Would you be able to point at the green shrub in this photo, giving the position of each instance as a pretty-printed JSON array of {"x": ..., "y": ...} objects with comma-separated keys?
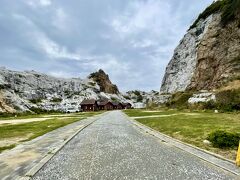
[
  {"x": 114, "y": 99},
  {"x": 35, "y": 101},
  {"x": 213, "y": 8},
  {"x": 56, "y": 100},
  {"x": 92, "y": 83},
  {"x": 2, "y": 86},
  {"x": 126, "y": 97},
  {"x": 223, "y": 139},
  {"x": 67, "y": 92},
  {"x": 139, "y": 98},
  {"x": 179, "y": 100},
  {"x": 137, "y": 93},
  {"x": 209, "y": 105},
  {"x": 152, "y": 105},
  {"x": 228, "y": 100},
  {"x": 229, "y": 9},
  {"x": 5, "y": 114}
]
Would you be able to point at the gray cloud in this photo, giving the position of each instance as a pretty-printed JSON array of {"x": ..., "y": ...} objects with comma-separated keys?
[{"x": 131, "y": 40}]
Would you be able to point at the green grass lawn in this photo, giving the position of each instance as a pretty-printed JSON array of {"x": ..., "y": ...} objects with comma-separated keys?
[
  {"x": 31, "y": 130},
  {"x": 192, "y": 127},
  {"x": 137, "y": 112}
]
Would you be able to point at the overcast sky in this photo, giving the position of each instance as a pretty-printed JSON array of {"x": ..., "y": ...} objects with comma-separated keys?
[{"x": 132, "y": 40}]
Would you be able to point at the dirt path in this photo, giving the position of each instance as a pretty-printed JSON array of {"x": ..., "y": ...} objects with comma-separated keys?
[
  {"x": 20, "y": 121},
  {"x": 43, "y": 118}
]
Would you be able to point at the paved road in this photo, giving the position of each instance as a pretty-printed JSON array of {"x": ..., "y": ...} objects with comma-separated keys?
[{"x": 113, "y": 148}]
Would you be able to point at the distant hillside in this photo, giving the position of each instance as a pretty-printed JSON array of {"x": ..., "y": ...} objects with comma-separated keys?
[{"x": 30, "y": 90}]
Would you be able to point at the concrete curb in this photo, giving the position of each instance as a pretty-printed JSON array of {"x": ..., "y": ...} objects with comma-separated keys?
[
  {"x": 39, "y": 165},
  {"x": 205, "y": 155}
]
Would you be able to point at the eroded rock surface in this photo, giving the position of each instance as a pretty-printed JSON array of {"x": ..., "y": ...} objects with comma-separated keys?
[
  {"x": 207, "y": 57},
  {"x": 182, "y": 66},
  {"x": 20, "y": 91}
]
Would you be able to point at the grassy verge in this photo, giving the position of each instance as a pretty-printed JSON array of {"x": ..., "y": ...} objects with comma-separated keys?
[
  {"x": 31, "y": 130},
  {"x": 7, "y": 147},
  {"x": 192, "y": 127},
  {"x": 138, "y": 113}
]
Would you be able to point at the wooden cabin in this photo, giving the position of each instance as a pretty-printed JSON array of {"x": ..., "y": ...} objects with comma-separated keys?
[
  {"x": 115, "y": 105},
  {"x": 120, "y": 106},
  {"x": 127, "y": 105},
  {"x": 105, "y": 105},
  {"x": 89, "y": 105}
]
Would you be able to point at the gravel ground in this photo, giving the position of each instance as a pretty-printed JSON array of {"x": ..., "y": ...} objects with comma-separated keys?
[{"x": 112, "y": 148}]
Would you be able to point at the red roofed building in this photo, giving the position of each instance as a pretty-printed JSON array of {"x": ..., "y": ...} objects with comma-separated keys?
[
  {"x": 89, "y": 105},
  {"x": 127, "y": 105},
  {"x": 105, "y": 105}
]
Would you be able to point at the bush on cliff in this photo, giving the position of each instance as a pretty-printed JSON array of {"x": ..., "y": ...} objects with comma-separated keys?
[
  {"x": 228, "y": 100},
  {"x": 229, "y": 9},
  {"x": 179, "y": 100},
  {"x": 35, "y": 101}
]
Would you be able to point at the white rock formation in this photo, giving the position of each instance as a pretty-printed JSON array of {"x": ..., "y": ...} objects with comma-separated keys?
[
  {"x": 202, "y": 97},
  {"x": 139, "y": 105},
  {"x": 23, "y": 90},
  {"x": 148, "y": 98},
  {"x": 183, "y": 63}
]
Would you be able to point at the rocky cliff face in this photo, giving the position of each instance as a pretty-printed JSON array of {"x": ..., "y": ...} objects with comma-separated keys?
[
  {"x": 104, "y": 82},
  {"x": 218, "y": 56},
  {"x": 20, "y": 91},
  {"x": 182, "y": 66},
  {"x": 208, "y": 56},
  {"x": 148, "y": 98}
]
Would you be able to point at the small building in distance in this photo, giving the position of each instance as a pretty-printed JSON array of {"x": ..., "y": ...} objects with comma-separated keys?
[
  {"x": 105, "y": 105},
  {"x": 139, "y": 105},
  {"x": 120, "y": 106},
  {"x": 127, "y": 105},
  {"x": 117, "y": 105},
  {"x": 89, "y": 105}
]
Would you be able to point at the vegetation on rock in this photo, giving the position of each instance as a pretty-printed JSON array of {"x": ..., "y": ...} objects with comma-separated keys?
[
  {"x": 228, "y": 100},
  {"x": 56, "y": 100},
  {"x": 179, "y": 100},
  {"x": 104, "y": 82},
  {"x": 35, "y": 101},
  {"x": 228, "y": 8}
]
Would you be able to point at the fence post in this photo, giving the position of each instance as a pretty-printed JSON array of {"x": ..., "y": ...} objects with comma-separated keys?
[{"x": 238, "y": 156}]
